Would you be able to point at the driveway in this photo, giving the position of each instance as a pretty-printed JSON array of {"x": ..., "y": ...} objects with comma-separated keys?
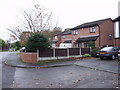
[
  {"x": 81, "y": 74},
  {"x": 103, "y": 65}
]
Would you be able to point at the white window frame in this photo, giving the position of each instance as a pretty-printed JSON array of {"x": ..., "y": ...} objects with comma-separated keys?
[
  {"x": 92, "y": 29},
  {"x": 75, "y": 32}
]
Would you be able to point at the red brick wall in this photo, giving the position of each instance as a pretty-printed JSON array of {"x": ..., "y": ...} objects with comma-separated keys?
[
  {"x": 106, "y": 29},
  {"x": 29, "y": 57},
  {"x": 117, "y": 42}
]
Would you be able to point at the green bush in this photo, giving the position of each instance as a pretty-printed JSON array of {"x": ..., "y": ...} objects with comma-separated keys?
[
  {"x": 86, "y": 55},
  {"x": 36, "y": 41},
  {"x": 16, "y": 45},
  {"x": 93, "y": 53}
]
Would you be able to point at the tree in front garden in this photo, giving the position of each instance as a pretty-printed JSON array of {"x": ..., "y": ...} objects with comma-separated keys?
[{"x": 36, "y": 42}]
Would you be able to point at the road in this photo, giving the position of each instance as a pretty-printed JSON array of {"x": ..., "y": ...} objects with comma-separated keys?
[{"x": 73, "y": 76}]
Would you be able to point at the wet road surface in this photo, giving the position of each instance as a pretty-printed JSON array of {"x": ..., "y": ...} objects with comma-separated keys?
[{"x": 58, "y": 77}]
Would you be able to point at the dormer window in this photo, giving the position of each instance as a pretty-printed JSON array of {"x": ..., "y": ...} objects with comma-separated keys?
[
  {"x": 75, "y": 32},
  {"x": 92, "y": 29}
]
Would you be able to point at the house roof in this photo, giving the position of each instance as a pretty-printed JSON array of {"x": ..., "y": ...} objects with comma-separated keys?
[
  {"x": 54, "y": 41},
  {"x": 57, "y": 33},
  {"x": 63, "y": 33},
  {"x": 68, "y": 41},
  {"x": 66, "y": 33},
  {"x": 90, "y": 24},
  {"x": 93, "y": 38},
  {"x": 116, "y": 19}
]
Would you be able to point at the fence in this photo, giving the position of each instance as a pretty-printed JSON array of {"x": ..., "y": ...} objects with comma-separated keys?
[{"x": 56, "y": 52}]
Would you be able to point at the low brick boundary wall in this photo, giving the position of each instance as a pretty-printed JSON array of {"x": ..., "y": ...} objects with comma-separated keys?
[{"x": 29, "y": 57}]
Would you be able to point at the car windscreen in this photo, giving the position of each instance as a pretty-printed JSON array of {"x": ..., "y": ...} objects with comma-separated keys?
[{"x": 107, "y": 49}]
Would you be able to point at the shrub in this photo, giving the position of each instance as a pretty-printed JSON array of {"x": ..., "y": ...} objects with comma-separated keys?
[
  {"x": 16, "y": 45},
  {"x": 93, "y": 53},
  {"x": 73, "y": 57},
  {"x": 36, "y": 41},
  {"x": 86, "y": 55}
]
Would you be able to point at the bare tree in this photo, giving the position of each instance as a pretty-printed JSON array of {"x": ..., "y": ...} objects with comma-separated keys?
[
  {"x": 35, "y": 21},
  {"x": 15, "y": 31}
]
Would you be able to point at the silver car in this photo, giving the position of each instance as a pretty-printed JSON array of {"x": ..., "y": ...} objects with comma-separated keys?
[{"x": 108, "y": 52}]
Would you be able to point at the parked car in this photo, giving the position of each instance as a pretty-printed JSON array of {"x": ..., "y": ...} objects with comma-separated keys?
[
  {"x": 108, "y": 52},
  {"x": 119, "y": 54}
]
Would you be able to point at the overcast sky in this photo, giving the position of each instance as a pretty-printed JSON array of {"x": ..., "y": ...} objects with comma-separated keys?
[{"x": 68, "y": 13}]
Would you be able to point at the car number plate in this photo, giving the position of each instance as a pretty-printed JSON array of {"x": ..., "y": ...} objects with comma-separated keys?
[
  {"x": 102, "y": 53},
  {"x": 118, "y": 54}
]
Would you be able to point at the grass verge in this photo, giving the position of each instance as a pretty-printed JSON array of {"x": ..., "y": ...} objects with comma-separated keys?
[
  {"x": 53, "y": 61},
  {"x": 46, "y": 62}
]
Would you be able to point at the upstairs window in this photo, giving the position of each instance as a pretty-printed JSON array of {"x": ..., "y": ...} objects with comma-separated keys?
[
  {"x": 92, "y": 29},
  {"x": 75, "y": 32}
]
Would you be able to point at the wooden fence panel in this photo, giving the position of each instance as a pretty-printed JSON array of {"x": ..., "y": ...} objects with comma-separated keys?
[
  {"x": 63, "y": 52},
  {"x": 85, "y": 51},
  {"x": 60, "y": 52},
  {"x": 74, "y": 51},
  {"x": 46, "y": 53}
]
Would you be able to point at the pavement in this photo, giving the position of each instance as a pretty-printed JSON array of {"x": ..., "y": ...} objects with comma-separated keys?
[{"x": 103, "y": 65}]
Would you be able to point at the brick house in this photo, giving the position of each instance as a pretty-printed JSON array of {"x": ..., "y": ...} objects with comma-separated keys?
[
  {"x": 117, "y": 31},
  {"x": 66, "y": 39},
  {"x": 100, "y": 32},
  {"x": 62, "y": 39}
]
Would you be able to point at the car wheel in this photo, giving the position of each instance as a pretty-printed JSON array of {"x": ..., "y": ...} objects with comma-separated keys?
[{"x": 113, "y": 57}]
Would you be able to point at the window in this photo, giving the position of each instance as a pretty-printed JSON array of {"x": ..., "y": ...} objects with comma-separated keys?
[
  {"x": 75, "y": 32},
  {"x": 80, "y": 45},
  {"x": 75, "y": 45},
  {"x": 85, "y": 44},
  {"x": 92, "y": 29}
]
